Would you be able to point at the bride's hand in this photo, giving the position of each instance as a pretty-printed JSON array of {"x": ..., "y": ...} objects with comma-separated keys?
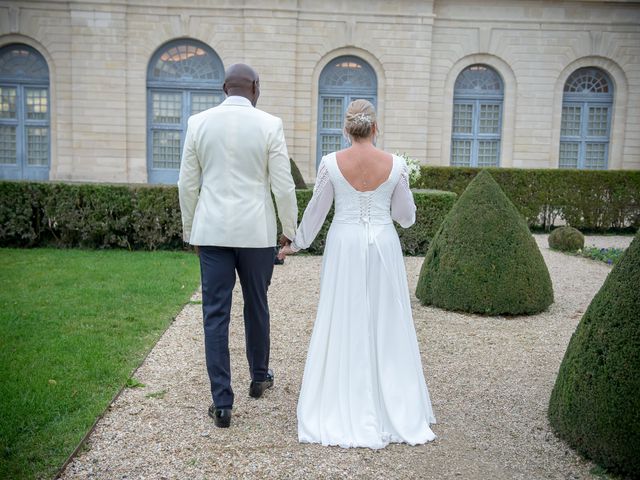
[{"x": 284, "y": 251}]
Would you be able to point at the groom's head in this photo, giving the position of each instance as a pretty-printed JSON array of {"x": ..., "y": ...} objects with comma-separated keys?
[{"x": 242, "y": 80}]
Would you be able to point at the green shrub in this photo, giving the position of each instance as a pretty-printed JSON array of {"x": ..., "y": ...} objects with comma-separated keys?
[
  {"x": 298, "y": 179},
  {"x": 432, "y": 206},
  {"x": 610, "y": 256},
  {"x": 567, "y": 239},
  {"x": 586, "y": 199},
  {"x": 595, "y": 405},
  {"x": 483, "y": 258},
  {"x": 22, "y": 219},
  {"x": 92, "y": 216},
  {"x": 89, "y": 216},
  {"x": 146, "y": 217},
  {"x": 157, "y": 220}
]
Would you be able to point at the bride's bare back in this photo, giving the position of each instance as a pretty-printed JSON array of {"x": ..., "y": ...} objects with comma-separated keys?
[{"x": 364, "y": 166}]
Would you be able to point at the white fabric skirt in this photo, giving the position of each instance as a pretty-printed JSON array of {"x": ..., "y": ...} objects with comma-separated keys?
[{"x": 363, "y": 383}]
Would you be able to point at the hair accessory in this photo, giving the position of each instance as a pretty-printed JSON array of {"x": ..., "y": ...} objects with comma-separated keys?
[{"x": 362, "y": 119}]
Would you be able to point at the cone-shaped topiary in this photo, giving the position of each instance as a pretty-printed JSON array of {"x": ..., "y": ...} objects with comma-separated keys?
[
  {"x": 567, "y": 239},
  {"x": 297, "y": 175},
  {"x": 483, "y": 258},
  {"x": 595, "y": 403}
]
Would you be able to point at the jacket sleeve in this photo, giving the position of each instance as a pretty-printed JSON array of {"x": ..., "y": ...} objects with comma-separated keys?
[
  {"x": 189, "y": 182},
  {"x": 282, "y": 184}
]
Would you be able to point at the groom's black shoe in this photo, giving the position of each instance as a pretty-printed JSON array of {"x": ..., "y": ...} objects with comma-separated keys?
[
  {"x": 256, "y": 389},
  {"x": 221, "y": 416}
]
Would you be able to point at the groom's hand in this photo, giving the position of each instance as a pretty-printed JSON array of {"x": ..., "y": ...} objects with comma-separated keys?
[
  {"x": 197, "y": 249},
  {"x": 284, "y": 241},
  {"x": 284, "y": 251}
]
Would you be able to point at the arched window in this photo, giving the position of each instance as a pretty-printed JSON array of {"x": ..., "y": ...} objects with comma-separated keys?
[
  {"x": 24, "y": 114},
  {"x": 185, "y": 77},
  {"x": 343, "y": 80},
  {"x": 586, "y": 119},
  {"x": 477, "y": 117}
]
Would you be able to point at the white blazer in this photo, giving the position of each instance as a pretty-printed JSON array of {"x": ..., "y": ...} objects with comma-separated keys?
[{"x": 239, "y": 156}]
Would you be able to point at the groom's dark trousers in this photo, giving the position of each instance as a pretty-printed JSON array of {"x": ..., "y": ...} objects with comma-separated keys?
[{"x": 218, "y": 267}]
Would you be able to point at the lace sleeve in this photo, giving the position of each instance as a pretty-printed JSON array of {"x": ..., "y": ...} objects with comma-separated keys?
[
  {"x": 403, "y": 210},
  {"x": 316, "y": 211}
]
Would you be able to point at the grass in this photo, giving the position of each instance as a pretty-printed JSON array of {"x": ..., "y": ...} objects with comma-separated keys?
[
  {"x": 159, "y": 394},
  {"x": 134, "y": 383},
  {"x": 73, "y": 326}
]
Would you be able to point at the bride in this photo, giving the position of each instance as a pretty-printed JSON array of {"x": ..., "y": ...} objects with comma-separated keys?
[{"x": 363, "y": 384}]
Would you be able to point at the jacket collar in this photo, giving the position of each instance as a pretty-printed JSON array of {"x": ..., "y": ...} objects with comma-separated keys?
[{"x": 237, "y": 100}]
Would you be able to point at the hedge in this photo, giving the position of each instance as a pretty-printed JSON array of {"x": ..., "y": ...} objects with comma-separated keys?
[
  {"x": 90, "y": 216},
  {"x": 590, "y": 200},
  {"x": 483, "y": 258},
  {"x": 146, "y": 217},
  {"x": 298, "y": 179},
  {"x": 594, "y": 403},
  {"x": 566, "y": 239}
]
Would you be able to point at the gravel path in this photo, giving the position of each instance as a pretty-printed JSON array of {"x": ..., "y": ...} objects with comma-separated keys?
[{"x": 489, "y": 379}]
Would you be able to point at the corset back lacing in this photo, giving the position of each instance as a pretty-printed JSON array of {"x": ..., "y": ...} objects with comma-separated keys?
[{"x": 365, "y": 214}]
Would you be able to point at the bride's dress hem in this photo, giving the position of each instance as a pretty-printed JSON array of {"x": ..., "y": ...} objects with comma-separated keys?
[{"x": 384, "y": 442}]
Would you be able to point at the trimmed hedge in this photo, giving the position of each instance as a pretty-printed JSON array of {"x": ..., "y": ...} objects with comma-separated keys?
[
  {"x": 89, "y": 216},
  {"x": 594, "y": 404},
  {"x": 566, "y": 239},
  {"x": 483, "y": 258},
  {"x": 146, "y": 217},
  {"x": 298, "y": 179},
  {"x": 432, "y": 206},
  {"x": 590, "y": 200}
]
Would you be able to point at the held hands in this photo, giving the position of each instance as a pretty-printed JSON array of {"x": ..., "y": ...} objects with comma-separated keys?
[
  {"x": 284, "y": 241},
  {"x": 286, "y": 250}
]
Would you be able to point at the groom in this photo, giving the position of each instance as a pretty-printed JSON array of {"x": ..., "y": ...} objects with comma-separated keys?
[{"x": 234, "y": 157}]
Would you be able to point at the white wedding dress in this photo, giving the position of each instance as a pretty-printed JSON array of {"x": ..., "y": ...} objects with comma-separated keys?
[{"x": 363, "y": 384}]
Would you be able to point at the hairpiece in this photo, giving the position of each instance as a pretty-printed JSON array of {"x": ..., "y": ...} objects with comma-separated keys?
[{"x": 362, "y": 119}]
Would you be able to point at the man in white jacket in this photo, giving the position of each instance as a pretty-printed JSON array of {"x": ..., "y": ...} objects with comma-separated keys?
[{"x": 234, "y": 157}]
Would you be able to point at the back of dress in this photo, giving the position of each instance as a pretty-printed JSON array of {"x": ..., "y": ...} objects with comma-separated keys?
[
  {"x": 363, "y": 383},
  {"x": 392, "y": 200},
  {"x": 351, "y": 205}
]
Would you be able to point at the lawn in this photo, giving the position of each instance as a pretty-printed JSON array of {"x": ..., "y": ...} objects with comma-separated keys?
[{"x": 73, "y": 326}]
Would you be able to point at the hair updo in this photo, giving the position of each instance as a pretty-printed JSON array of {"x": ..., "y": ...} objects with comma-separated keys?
[{"x": 360, "y": 119}]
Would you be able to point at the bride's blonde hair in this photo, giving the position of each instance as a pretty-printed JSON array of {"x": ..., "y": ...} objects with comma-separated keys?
[{"x": 360, "y": 119}]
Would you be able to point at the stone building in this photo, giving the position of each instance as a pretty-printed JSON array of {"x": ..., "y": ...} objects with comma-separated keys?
[{"x": 101, "y": 90}]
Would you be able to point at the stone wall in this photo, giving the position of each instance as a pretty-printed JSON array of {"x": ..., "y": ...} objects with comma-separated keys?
[{"x": 98, "y": 54}]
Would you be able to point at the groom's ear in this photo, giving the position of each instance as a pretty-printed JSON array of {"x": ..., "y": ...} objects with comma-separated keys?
[{"x": 255, "y": 92}]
